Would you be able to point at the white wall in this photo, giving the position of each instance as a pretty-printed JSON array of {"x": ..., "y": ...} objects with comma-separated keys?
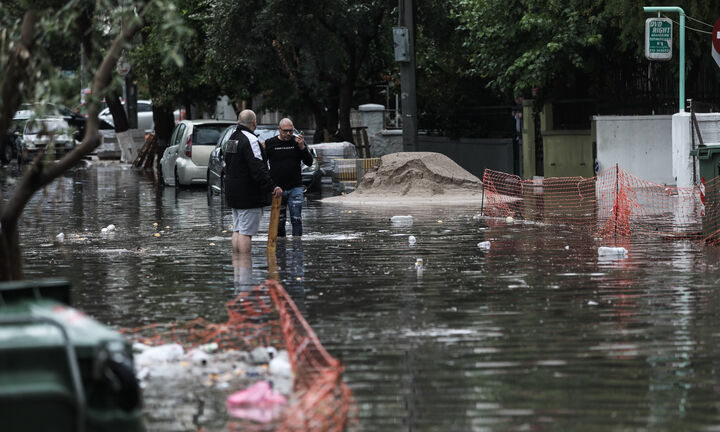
[
  {"x": 382, "y": 141},
  {"x": 640, "y": 145}
]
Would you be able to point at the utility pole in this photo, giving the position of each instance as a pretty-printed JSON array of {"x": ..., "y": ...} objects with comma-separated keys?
[{"x": 404, "y": 40}]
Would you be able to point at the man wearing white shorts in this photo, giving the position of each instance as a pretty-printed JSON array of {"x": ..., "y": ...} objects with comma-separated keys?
[{"x": 247, "y": 182}]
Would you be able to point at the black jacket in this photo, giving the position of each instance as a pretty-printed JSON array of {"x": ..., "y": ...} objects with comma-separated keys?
[
  {"x": 247, "y": 180},
  {"x": 285, "y": 158}
]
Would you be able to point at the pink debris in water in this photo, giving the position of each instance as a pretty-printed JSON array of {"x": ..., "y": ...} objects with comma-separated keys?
[{"x": 258, "y": 402}]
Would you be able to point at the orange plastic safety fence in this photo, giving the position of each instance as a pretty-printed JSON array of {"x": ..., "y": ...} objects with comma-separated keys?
[
  {"x": 252, "y": 321},
  {"x": 614, "y": 203},
  {"x": 267, "y": 316},
  {"x": 324, "y": 399}
]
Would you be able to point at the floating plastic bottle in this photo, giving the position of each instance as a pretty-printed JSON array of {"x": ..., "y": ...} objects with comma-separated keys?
[
  {"x": 612, "y": 251},
  {"x": 401, "y": 220},
  {"x": 484, "y": 245}
]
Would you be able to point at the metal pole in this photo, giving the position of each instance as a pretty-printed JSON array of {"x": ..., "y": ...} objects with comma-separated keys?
[
  {"x": 681, "y": 86},
  {"x": 617, "y": 195},
  {"x": 407, "y": 79}
]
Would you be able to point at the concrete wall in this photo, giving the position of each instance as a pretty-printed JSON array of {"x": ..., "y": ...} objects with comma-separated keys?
[
  {"x": 640, "y": 145},
  {"x": 382, "y": 141}
]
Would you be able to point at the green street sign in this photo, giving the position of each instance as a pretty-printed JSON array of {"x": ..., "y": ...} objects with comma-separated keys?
[{"x": 658, "y": 39}]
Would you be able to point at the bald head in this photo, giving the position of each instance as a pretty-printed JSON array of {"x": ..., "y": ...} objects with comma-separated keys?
[
  {"x": 286, "y": 123},
  {"x": 285, "y": 129},
  {"x": 247, "y": 118}
]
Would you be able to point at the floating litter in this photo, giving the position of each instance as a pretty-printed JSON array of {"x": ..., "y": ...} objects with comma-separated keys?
[
  {"x": 592, "y": 303},
  {"x": 60, "y": 237},
  {"x": 419, "y": 263},
  {"x": 157, "y": 234},
  {"x": 412, "y": 240},
  {"x": 612, "y": 251},
  {"x": 567, "y": 247},
  {"x": 509, "y": 219},
  {"x": 104, "y": 230},
  {"x": 402, "y": 220},
  {"x": 484, "y": 245},
  {"x": 258, "y": 402},
  {"x": 111, "y": 227}
]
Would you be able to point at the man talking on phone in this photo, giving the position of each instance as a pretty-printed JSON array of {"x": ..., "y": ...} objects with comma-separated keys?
[{"x": 285, "y": 153}]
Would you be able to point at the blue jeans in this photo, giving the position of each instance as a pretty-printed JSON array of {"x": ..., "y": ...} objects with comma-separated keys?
[{"x": 292, "y": 199}]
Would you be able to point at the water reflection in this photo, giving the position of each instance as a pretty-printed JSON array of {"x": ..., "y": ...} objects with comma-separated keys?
[
  {"x": 242, "y": 271},
  {"x": 536, "y": 333},
  {"x": 290, "y": 259}
]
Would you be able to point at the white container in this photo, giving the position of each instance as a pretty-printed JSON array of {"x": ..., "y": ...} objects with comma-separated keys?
[
  {"x": 402, "y": 220},
  {"x": 612, "y": 251}
]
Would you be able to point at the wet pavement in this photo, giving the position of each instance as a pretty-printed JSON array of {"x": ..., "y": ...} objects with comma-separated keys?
[{"x": 536, "y": 333}]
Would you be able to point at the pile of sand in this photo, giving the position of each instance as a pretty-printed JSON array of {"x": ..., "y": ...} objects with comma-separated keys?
[{"x": 415, "y": 178}]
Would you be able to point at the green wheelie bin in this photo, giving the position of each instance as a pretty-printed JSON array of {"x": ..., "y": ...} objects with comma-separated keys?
[
  {"x": 709, "y": 163},
  {"x": 61, "y": 370}
]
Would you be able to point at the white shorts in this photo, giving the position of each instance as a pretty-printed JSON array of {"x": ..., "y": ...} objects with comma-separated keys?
[{"x": 247, "y": 221}]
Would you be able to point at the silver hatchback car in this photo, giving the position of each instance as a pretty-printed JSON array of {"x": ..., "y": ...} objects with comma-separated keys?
[{"x": 185, "y": 161}]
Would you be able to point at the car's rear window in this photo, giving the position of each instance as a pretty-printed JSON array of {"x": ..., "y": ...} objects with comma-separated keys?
[{"x": 208, "y": 134}]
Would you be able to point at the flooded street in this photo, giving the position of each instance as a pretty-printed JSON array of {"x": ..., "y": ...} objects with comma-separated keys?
[{"x": 536, "y": 333}]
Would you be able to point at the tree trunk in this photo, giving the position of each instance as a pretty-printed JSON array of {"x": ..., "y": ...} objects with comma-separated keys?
[
  {"x": 164, "y": 125},
  {"x": 189, "y": 115},
  {"x": 331, "y": 114},
  {"x": 17, "y": 73},
  {"x": 38, "y": 175},
  {"x": 344, "y": 105},
  {"x": 118, "y": 112}
]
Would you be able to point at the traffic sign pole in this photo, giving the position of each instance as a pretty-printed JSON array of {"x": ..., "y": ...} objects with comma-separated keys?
[{"x": 681, "y": 86}]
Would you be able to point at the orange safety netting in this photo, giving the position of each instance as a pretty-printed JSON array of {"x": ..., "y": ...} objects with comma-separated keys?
[
  {"x": 267, "y": 316},
  {"x": 614, "y": 203}
]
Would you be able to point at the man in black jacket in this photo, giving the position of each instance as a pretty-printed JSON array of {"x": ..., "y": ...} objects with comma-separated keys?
[
  {"x": 247, "y": 182},
  {"x": 285, "y": 152}
]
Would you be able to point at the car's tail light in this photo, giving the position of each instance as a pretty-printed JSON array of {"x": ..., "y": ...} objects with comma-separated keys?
[{"x": 188, "y": 147}]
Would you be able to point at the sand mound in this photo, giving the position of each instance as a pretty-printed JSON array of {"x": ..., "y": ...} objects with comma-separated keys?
[{"x": 415, "y": 177}]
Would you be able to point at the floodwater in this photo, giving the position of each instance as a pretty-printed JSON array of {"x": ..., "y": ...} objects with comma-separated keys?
[{"x": 536, "y": 333}]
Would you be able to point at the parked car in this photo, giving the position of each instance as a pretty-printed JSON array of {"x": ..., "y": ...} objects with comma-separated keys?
[
  {"x": 216, "y": 164},
  {"x": 11, "y": 145},
  {"x": 311, "y": 175},
  {"x": 144, "y": 114},
  {"x": 42, "y": 132},
  {"x": 76, "y": 121},
  {"x": 266, "y": 131},
  {"x": 185, "y": 161}
]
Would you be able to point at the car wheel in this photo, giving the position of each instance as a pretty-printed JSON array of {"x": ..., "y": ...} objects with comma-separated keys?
[
  {"x": 209, "y": 186},
  {"x": 177, "y": 179}
]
